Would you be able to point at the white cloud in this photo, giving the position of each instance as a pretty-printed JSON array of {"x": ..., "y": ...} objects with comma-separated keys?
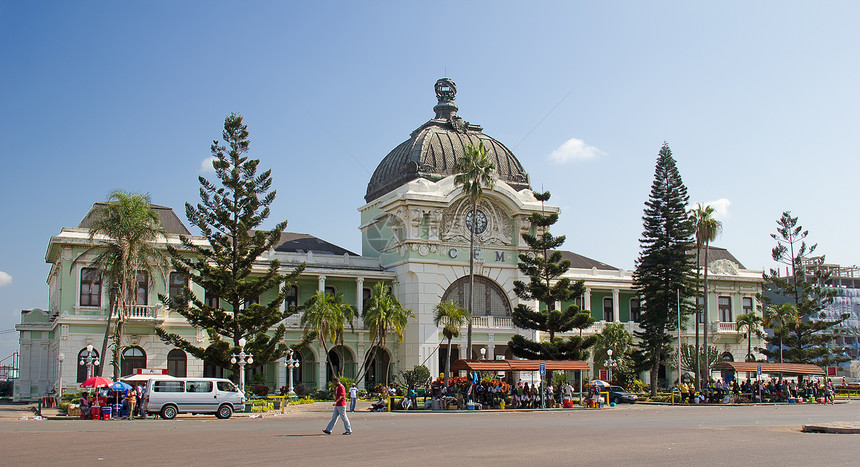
[
  {"x": 206, "y": 165},
  {"x": 5, "y": 279},
  {"x": 721, "y": 208},
  {"x": 574, "y": 149}
]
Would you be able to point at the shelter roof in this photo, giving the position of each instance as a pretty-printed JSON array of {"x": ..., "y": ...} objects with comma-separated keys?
[
  {"x": 169, "y": 220},
  {"x": 578, "y": 261},
  {"x": 518, "y": 365},
  {"x": 770, "y": 368},
  {"x": 716, "y": 253},
  {"x": 292, "y": 242}
]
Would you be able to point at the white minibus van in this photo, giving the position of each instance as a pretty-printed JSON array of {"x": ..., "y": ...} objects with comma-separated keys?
[{"x": 168, "y": 397}]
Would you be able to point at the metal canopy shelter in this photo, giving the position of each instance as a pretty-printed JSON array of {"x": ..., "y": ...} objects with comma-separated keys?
[
  {"x": 794, "y": 369},
  {"x": 518, "y": 365}
]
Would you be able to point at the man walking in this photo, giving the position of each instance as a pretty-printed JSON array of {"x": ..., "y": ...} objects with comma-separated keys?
[
  {"x": 353, "y": 397},
  {"x": 339, "y": 409}
]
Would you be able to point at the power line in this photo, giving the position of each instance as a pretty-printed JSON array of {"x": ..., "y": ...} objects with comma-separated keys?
[{"x": 544, "y": 118}]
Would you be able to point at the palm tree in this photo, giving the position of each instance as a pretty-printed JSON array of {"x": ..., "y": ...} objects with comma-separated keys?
[
  {"x": 751, "y": 322},
  {"x": 383, "y": 315},
  {"x": 451, "y": 317},
  {"x": 127, "y": 228},
  {"x": 474, "y": 172},
  {"x": 326, "y": 316},
  {"x": 781, "y": 318},
  {"x": 707, "y": 229}
]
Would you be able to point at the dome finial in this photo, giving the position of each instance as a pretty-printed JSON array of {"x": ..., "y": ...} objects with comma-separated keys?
[{"x": 446, "y": 91}]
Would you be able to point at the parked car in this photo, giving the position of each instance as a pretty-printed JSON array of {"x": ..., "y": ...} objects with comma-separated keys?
[
  {"x": 618, "y": 395},
  {"x": 170, "y": 397}
]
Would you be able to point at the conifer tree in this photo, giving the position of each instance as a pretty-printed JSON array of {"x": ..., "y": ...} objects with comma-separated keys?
[
  {"x": 545, "y": 267},
  {"x": 808, "y": 288},
  {"x": 664, "y": 269},
  {"x": 230, "y": 267}
]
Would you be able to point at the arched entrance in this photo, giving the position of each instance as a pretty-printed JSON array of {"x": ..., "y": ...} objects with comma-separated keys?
[
  {"x": 490, "y": 298},
  {"x": 377, "y": 366},
  {"x": 342, "y": 360}
]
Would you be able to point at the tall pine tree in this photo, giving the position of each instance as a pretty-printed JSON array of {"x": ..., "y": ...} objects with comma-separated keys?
[
  {"x": 664, "y": 269},
  {"x": 229, "y": 266},
  {"x": 545, "y": 268},
  {"x": 804, "y": 339}
]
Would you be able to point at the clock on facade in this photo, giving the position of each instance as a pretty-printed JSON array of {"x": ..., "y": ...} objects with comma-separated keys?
[{"x": 480, "y": 225}]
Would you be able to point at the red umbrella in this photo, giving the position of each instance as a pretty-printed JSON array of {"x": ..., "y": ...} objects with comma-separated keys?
[
  {"x": 96, "y": 382},
  {"x": 599, "y": 383}
]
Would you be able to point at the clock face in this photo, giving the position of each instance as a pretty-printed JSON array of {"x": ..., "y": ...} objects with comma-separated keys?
[{"x": 480, "y": 225}]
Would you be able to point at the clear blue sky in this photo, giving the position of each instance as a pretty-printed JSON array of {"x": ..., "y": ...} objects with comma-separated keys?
[{"x": 758, "y": 101}]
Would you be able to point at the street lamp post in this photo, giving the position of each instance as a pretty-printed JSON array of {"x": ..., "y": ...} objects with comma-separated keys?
[
  {"x": 89, "y": 358},
  {"x": 290, "y": 363},
  {"x": 60, "y": 359},
  {"x": 610, "y": 363},
  {"x": 242, "y": 358}
]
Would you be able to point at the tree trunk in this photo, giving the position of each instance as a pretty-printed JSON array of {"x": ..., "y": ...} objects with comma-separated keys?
[
  {"x": 448, "y": 364},
  {"x": 707, "y": 366},
  {"x": 655, "y": 372},
  {"x": 471, "y": 279},
  {"x": 111, "y": 309},
  {"x": 698, "y": 365}
]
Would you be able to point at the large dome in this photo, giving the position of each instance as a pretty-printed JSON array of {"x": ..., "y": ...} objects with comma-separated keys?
[{"x": 432, "y": 151}]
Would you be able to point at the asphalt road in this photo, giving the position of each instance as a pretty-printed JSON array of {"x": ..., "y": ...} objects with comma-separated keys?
[{"x": 625, "y": 435}]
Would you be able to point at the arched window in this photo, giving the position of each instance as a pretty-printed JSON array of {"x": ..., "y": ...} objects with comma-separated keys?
[
  {"x": 366, "y": 294},
  {"x": 82, "y": 369},
  {"x": 177, "y": 363},
  {"x": 132, "y": 357},
  {"x": 490, "y": 299}
]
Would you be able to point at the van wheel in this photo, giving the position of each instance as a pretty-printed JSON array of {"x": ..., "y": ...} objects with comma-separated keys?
[
  {"x": 224, "y": 412},
  {"x": 168, "y": 412}
]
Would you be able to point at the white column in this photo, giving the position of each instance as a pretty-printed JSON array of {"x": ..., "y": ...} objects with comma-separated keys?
[
  {"x": 281, "y": 373},
  {"x": 491, "y": 351},
  {"x": 359, "y": 295},
  {"x": 616, "y": 310},
  {"x": 321, "y": 287},
  {"x": 586, "y": 300}
]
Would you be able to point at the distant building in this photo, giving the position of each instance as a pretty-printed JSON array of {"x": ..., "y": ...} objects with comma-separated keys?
[{"x": 415, "y": 227}]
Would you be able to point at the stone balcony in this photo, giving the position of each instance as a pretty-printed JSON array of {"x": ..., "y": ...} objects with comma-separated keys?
[{"x": 492, "y": 322}]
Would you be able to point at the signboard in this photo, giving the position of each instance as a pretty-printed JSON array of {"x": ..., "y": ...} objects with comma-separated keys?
[
  {"x": 758, "y": 370},
  {"x": 150, "y": 371},
  {"x": 604, "y": 375},
  {"x": 542, "y": 368},
  {"x": 831, "y": 371}
]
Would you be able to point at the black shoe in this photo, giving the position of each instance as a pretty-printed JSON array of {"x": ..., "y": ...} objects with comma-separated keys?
[
  {"x": 347, "y": 432},
  {"x": 326, "y": 432}
]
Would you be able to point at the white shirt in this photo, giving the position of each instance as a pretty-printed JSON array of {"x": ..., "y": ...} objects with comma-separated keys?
[{"x": 353, "y": 392}]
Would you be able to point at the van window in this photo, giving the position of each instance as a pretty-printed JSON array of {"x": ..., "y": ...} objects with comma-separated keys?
[
  {"x": 168, "y": 386},
  {"x": 198, "y": 386},
  {"x": 227, "y": 386}
]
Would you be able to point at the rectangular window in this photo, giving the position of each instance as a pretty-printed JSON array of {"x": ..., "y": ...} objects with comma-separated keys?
[
  {"x": 607, "y": 309},
  {"x": 91, "y": 287},
  {"x": 578, "y": 301},
  {"x": 168, "y": 386},
  {"x": 747, "y": 304},
  {"x": 198, "y": 386},
  {"x": 212, "y": 300},
  {"x": 700, "y": 309},
  {"x": 292, "y": 299},
  {"x": 142, "y": 289},
  {"x": 330, "y": 290},
  {"x": 725, "y": 306},
  {"x": 635, "y": 310},
  {"x": 178, "y": 281},
  {"x": 227, "y": 386}
]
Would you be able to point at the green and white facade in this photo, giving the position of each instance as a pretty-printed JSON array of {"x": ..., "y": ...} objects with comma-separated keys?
[{"x": 415, "y": 237}]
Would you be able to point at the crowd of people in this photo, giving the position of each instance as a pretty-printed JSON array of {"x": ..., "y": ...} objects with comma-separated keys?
[
  {"x": 772, "y": 390},
  {"x": 124, "y": 404}
]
